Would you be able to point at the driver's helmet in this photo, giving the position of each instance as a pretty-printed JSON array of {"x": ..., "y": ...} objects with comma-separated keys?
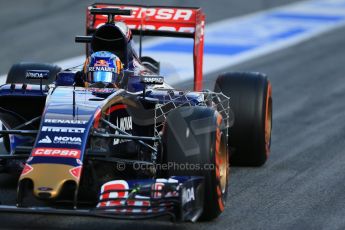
[{"x": 103, "y": 66}]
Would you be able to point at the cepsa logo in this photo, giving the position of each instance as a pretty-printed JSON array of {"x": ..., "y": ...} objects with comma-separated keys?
[
  {"x": 154, "y": 18},
  {"x": 56, "y": 152},
  {"x": 160, "y": 13}
]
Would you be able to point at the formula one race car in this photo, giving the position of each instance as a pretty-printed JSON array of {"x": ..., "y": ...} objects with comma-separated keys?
[{"x": 112, "y": 139}]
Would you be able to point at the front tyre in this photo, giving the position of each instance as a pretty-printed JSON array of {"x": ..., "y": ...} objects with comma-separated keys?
[
  {"x": 197, "y": 136},
  {"x": 251, "y": 101}
]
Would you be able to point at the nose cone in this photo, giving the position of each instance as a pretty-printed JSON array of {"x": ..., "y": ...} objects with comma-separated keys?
[{"x": 48, "y": 179}]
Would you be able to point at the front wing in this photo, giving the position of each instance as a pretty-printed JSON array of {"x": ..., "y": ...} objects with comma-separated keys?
[{"x": 180, "y": 198}]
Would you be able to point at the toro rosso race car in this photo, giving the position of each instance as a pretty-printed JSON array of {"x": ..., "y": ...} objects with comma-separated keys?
[{"x": 111, "y": 139}]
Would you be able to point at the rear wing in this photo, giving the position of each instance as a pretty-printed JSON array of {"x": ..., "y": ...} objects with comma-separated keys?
[{"x": 185, "y": 22}]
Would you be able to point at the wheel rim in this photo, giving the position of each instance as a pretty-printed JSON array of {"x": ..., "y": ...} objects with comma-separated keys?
[
  {"x": 223, "y": 165},
  {"x": 268, "y": 119}
]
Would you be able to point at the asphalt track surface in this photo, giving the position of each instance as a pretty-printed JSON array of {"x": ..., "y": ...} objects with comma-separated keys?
[{"x": 302, "y": 184}]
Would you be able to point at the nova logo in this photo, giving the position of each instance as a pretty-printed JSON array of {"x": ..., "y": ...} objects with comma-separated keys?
[
  {"x": 67, "y": 140},
  {"x": 63, "y": 129},
  {"x": 45, "y": 140},
  {"x": 125, "y": 123}
]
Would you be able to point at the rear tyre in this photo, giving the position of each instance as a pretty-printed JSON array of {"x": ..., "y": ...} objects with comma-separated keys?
[
  {"x": 18, "y": 71},
  {"x": 251, "y": 100},
  {"x": 197, "y": 136}
]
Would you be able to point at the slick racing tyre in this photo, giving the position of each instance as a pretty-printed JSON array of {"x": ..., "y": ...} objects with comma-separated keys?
[
  {"x": 18, "y": 71},
  {"x": 196, "y": 136},
  {"x": 251, "y": 101}
]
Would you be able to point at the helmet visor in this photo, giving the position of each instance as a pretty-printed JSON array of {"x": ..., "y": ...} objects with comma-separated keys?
[{"x": 101, "y": 76}]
